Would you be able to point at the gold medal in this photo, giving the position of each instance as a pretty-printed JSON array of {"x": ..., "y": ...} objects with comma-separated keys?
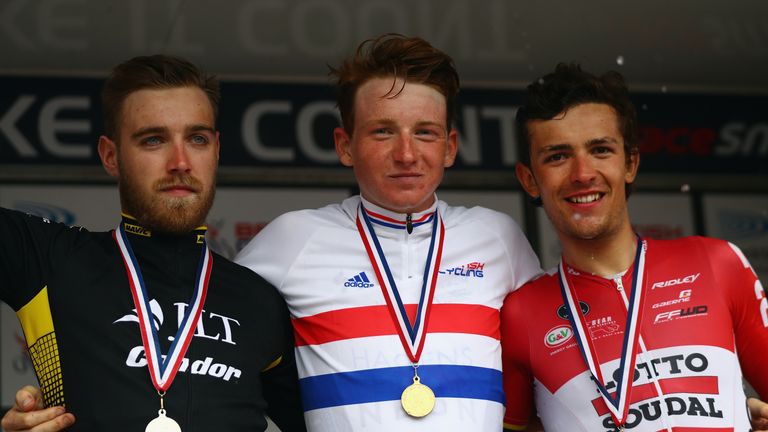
[{"x": 417, "y": 399}]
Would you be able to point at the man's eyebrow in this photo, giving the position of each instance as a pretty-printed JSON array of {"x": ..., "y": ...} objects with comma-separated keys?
[
  {"x": 555, "y": 148},
  {"x": 201, "y": 127},
  {"x": 148, "y": 131},
  {"x": 602, "y": 140}
]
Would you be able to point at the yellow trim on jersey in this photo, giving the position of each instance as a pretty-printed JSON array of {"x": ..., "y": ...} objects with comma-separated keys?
[
  {"x": 508, "y": 426},
  {"x": 273, "y": 364},
  {"x": 35, "y": 317}
]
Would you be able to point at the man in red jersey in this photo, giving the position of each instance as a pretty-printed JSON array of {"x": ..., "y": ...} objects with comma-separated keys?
[{"x": 627, "y": 333}]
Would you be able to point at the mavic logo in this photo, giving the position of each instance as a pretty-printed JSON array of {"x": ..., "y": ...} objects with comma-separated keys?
[
  {"x": 138, "y": 230},
  {"x": 360, "y": 280}
]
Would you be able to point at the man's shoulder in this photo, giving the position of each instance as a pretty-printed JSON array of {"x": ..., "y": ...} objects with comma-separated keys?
[
  {"x": 544, "y": 280},
  {"x": 690, "y": 244},
  {"x": 458, "y": 215},
  {"x": 238, "y": 276}
]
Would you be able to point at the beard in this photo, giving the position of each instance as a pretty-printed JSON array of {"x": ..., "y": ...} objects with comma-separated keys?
[{"x": 169, "y": 215}]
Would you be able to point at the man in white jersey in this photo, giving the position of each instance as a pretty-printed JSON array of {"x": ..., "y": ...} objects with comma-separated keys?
[{"x": 394, "y": 289}]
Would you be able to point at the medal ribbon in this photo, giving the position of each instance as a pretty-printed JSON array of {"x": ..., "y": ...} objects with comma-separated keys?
[
  {"x": 618, "y": 405},
  {"x": 164, "y": 371},
  {"x": 412, "y": 336}
]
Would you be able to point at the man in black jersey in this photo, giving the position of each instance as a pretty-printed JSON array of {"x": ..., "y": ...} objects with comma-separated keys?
[{"x": 144, "y": 324}]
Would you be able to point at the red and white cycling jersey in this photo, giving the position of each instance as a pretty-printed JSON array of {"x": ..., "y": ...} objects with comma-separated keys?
[{"x": 703, "y": 305}]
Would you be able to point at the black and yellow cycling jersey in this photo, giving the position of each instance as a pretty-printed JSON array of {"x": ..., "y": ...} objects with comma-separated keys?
[{"x": 70, "y": 291}]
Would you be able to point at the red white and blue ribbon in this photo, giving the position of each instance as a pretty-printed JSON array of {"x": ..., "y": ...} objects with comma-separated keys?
[
  {"x": 412, "y": 335},
  {"x": 163, "y": 369},
  {"x": 618, "y": 405}
]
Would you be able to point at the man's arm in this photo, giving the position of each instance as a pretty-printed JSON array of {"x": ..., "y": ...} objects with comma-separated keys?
[
  {"x": 28, "y": 414},
  {"x": 759, "y": 412}
]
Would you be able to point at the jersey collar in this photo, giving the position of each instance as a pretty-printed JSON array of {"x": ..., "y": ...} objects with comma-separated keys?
[
  {"x": 387, "y": 221},
  {"x": 136, "y": 231}
]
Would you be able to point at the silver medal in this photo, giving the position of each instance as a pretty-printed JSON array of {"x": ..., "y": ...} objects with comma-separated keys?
[{"x": 162, "y": 424}]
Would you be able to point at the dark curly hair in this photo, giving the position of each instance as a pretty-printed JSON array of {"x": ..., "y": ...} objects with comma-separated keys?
[{"x": 569, "y": 86}]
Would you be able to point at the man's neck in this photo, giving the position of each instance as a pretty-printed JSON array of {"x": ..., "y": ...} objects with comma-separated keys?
[{"x": 606, "y": 256}]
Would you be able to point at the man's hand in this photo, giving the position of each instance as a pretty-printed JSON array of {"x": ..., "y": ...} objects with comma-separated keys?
[
  {"x": 28, "y": 414},
  {"x": 759, "y": 411}
]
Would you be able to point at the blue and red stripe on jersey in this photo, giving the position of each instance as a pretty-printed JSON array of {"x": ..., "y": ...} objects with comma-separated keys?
[{"x": 380, "y": 219}]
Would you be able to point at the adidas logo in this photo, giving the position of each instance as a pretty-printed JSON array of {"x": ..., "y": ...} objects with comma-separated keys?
[{"x": 360, "y": 280}]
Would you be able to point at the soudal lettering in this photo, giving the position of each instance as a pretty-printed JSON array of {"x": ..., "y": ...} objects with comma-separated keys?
[
  {"x": 685, "y": 280},
  {"x": 680, "y": 313},
  {"x": 691, "y": 406},
  {"x": 137, "y": 358}
]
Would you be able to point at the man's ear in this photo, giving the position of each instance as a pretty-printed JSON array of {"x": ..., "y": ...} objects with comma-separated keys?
[
  {"x": 632, "y": 167},
  {"x": 342, "y": 140},
  {"x": 527, "y": 180},
  {"x": 452, "y": 147},
  {"x": 108, "y": 155}
]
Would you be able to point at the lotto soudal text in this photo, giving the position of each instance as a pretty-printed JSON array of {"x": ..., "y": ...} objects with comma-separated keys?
[{"x": 679, "y": 369}]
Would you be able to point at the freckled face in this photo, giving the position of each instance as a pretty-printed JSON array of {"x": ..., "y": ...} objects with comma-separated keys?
[{"x": 400, "y": 146}]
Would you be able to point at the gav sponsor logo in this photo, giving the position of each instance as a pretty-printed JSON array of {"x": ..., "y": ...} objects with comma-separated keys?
[
  {"x": 359, "y": 280},
  {"x": 558, "y": 336},
  {"x": 677, "y": 281},
  {"x": 473, "y": 269},
  {"x": 562, "y": 311}
]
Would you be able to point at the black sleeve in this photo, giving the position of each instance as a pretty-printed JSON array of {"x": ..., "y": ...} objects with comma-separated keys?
[
  {"x": 281, "y": 385},
  {"x": 28, "y": 246}
]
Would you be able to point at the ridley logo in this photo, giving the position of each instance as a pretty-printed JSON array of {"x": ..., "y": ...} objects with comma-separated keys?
[
  {"x": 685, "y": 280},
  {"x": 558, "y": 336}
]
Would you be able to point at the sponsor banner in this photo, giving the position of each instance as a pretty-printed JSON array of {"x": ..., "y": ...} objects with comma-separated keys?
[
  {"x": 743, "y": 220},
  {"x": 56, "y": 121},
  {"x": 673, "y": 221}
]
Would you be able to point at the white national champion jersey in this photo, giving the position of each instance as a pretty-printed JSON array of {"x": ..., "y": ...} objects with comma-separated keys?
[{"x": 352, "y": 365}]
